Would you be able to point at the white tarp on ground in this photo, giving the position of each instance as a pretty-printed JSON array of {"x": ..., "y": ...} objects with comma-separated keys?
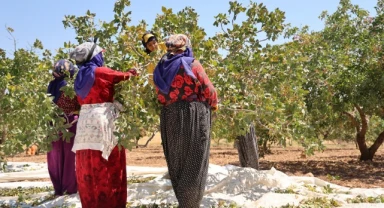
[{"x": 245, "y": 187}]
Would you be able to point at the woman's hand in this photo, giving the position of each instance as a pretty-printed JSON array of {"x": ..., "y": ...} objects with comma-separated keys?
[{"x": 133, "y": 71}]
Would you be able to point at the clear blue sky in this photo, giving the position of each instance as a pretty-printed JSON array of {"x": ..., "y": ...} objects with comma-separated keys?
[{"x": 42, "y": 19}]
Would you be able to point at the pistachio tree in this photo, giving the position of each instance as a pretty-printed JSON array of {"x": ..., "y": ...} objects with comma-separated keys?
[
  {"x": 257, "y": 80},
  {"x": 345, "y": 63},
  {"x": 27, "y": 113}
]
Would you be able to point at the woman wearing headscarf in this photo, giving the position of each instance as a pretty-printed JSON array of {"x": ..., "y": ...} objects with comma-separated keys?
[
  {"x": 100, "y": 162},
  {"x": 61, "y": 160},
  {"x": 187, "y": 96},
  {"x": 152, "y": 45}
]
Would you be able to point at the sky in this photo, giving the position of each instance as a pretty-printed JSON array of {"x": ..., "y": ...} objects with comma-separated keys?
[{"x": 42, "y": 19}]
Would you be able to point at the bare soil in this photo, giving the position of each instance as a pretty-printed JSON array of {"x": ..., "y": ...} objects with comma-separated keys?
[{"x": 338, "y": 164}]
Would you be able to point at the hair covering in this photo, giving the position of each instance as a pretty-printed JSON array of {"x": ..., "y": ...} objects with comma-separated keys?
[
  {"x": 88, "y": 61},
  {"x": 167, "y": 69},
  {"x": 59, "y": 73},
  {"x": 82, "y": 52},
  {"x": 178, "y": 42},
  {"x": 146, "y": 38}
]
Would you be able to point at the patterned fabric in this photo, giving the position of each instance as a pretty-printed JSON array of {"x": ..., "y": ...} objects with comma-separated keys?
[
  {"x": 185, "y": 133},
  {"x": 184, "y": 87},
  {"x": 102, "y": 183},
  {"x": 168, "y": 67},
  {"x": 61, "y": 163},
  {"x": 95, "y": 128},
  {"x": 103, "y": 87},
  {"x": 61, "y": 67},
  {"x": 179, "y": 54},
  {"x": 67, "y": 104},
  {"x": 178, "y": 42},
  {"x": 59, "y": 74}
]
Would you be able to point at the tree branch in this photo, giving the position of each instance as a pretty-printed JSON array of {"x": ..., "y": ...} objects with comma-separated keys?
[
  {"x": 378, "y": 142},
  {"x": 353, "y": 120},
  {"x": 259, "y": 31},
  {"x": 150, "y": 139},
  {"x": 222, "y": 28},
  {"x": 265, "y": 39},
  {"x": 13, "y": 38},
  {"x": 364, "y": 123}
]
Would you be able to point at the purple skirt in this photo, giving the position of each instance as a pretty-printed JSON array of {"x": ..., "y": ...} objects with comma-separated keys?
[{"x": 61, "y": 164}]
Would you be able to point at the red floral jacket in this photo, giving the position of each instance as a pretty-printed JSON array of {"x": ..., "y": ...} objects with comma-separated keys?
[
  {"x": 184, "y": 87},
  {"x": 67, "y": 104}
]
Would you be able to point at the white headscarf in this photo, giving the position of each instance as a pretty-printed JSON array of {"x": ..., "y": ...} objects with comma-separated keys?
[{"x": 82, "y": 51}]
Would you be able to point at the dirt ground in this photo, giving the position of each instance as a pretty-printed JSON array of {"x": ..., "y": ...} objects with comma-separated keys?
[{"x": 338, "y": 164}]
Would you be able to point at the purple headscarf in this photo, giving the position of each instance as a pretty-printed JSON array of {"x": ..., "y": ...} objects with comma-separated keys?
[
  {"x": 59, "y": 81},
  {"x": 86, "y": 75},
  {"x": 167, "y": 69}
]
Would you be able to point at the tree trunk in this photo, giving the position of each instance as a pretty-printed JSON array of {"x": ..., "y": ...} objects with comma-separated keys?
[
  {"x": 3, "y": 135},
  {"x": 137, "y": 142},
  {"x": 150, "y": 139},
  {"x": 265, "y": 150},
  {"x": 364, "y": 151},
  {"x": 368, "y": 153},
  {"x": 378, "y": 142},
  {"x": 247, "y": 148}
]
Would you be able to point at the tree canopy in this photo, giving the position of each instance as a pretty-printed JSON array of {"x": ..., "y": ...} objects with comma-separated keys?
[{"x": 318, "y": 85}]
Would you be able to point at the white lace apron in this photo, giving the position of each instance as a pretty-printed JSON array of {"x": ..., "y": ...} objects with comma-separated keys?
[{"x": 95, "y": 128}]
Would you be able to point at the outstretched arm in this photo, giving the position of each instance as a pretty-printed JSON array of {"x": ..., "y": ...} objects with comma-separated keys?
[{"x": 116, "y": 76}]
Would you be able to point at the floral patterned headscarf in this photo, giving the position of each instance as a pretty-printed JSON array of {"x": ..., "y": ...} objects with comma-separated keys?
[
  {"x": 178, "y": 42},
  {"x": 61, "y": 67},
  {"x": 59, "y": 73}
]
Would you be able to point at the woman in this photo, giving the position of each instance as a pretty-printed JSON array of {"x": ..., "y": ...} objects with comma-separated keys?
[
  {"x": 151, "y": 45},
  {"x": 61, "y": 160},
  {"x": 100, "y": 162},
  {"x": 187, "y": 96},
  {"x": 150, "y": 42}
]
